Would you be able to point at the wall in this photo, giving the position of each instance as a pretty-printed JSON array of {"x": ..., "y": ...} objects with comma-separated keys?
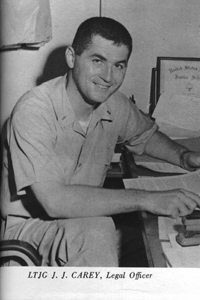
[
  {"x": 158, "y": 28},
  {"x": 23, "y": 69}
]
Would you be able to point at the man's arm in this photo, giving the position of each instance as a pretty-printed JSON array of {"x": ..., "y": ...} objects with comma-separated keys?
[
  {"x": 72, "y": 201},
  {"x": 75, "y": 201},
  {"x": 162, "y": 147}
]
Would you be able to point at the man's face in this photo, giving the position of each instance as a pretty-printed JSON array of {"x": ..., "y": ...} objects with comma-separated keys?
[{"x": 100, "y": 70}]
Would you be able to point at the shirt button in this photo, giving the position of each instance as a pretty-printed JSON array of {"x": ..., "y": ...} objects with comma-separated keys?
[{"x": 79, "y": 165}]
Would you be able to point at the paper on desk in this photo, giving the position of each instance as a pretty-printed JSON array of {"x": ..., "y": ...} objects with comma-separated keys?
[
  {"x": 178, "y": 115},
  {"x": 189, "y": 181},
  {"x": 168, "y": 226},
  {"x": 162, "y": 167},
  {"x": 116, "y": 157},
  {"x": 189, "y": 257}
]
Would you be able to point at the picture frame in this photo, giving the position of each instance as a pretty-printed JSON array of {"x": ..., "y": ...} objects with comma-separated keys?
[
  {"x": 153, "y": 91},
  {"x": 180, "y": 75}
]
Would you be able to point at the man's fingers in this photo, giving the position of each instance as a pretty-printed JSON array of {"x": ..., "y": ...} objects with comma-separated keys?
[
  {"x": 192, "y": 200},
  {"x": 187, "y": 202},
  {"x": 174, "y": 203},
  {"x": 184, "y": 210}
]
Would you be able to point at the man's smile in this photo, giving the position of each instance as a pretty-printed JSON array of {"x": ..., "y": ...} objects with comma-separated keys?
[{"x": 102, "y": 86}]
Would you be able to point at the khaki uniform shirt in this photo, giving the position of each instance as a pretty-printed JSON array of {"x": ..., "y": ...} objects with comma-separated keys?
[{"x": 46, "y": 143}]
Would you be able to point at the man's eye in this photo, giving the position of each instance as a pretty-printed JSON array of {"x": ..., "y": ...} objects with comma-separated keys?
[
  {"x": 97, "y": 61},
  {"x": 119, "y": 66}
]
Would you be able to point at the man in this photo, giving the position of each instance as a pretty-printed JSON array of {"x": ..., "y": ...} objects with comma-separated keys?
[{"x": 60, "y": 142}]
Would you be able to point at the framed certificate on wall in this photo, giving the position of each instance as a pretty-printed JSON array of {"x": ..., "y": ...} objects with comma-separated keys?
[
  {"x": 178, "y": 75},
  {"x": 177, "y": 108}
]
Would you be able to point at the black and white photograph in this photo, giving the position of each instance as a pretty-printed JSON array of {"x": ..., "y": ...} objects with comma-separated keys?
[{"x": 100, "y": 149}]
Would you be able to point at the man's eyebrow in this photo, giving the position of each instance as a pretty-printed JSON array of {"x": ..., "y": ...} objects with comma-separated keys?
[
  {"x": 124, "y": 61},
  {"x": 99, "y": 56}
]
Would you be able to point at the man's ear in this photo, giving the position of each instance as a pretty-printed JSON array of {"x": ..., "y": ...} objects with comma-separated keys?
[{"x": 70, "y": 57}]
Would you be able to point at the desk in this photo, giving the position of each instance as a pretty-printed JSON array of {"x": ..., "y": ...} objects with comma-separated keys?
[
  {"x": 153, "y": 247},
  {"x": 149, "y": 222}
]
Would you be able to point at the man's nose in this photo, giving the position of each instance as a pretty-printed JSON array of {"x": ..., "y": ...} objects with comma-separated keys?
[{"x": 107, "y": 73}]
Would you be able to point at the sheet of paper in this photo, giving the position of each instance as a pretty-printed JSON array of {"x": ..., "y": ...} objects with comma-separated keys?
[
  {"x": 116, "y": 158},
  {"x": 189, "y": 181},
  {"x": 167, "y": 226},
  {"x": 183, "y": 258},
  {"x": 162, "y": 167},
  {"x": 178, "y": 115}
]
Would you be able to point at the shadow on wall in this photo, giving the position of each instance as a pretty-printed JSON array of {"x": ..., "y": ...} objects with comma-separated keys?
[{"x": 55, "y": 66}]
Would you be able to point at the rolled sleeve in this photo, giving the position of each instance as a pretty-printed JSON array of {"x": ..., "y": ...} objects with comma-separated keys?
[
  {"x": 138, "y": 130},
  {"x": 31, "y": 141}
]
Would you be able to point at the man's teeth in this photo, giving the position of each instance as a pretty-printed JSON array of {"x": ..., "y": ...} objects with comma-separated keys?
[{"x": 102, "y": 86}]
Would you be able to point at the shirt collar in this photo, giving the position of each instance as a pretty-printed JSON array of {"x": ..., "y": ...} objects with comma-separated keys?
[
  {"x": 103, "y": 112},
  {"x": 67, "y": 115}
]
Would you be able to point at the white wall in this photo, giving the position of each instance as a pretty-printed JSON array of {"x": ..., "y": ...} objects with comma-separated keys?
[
  {"x": 158, "y": 28},
  {"x": 20, "y": 69}
]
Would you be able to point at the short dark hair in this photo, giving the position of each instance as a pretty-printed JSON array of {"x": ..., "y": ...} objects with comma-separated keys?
[{"x": 105, "y": 27}]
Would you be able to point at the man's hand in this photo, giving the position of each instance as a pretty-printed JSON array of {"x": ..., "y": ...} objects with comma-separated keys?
[
  {"x": 191, "y": 160},
  {"x": 172, "y": 152},
  {"x": 173, "y": 203}
]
